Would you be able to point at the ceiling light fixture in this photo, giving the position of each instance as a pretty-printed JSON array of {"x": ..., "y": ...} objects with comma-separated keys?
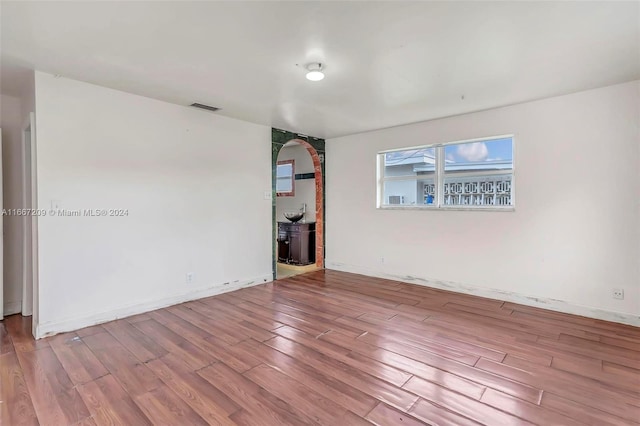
[{"x": 315, "y": 71}]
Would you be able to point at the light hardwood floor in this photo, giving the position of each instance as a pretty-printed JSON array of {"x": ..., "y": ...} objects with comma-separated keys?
[{"x": 326, "y": 348}]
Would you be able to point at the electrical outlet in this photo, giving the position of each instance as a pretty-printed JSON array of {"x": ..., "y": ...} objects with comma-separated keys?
[
  {"x": 267, "y": 195},
  {"x": 382, "y": 260},
  {"x": 618, "y": 293},
  {"x": 190, "y": 277}
]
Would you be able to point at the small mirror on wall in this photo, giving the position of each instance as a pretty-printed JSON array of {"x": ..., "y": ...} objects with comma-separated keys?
[{"x": 285, "y": 178}]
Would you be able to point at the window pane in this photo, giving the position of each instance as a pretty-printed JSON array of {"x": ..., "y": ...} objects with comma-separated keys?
[
  {"x": 284, "y": 185},
  {"x": 476, "y": 173},
  {"x": 494, "y": 154},
  {"x": 410, "y": 192},
  {"x": 479, "y": 173},
  {"x": 284, "y": 178},
  {"x": 410, "y": 162},
  {"x": 284, "y": 170}
]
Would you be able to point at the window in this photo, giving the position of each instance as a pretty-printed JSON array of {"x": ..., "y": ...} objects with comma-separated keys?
[
  {"x": 285, "y": 178},
  {"x": 471, "y": 174}
]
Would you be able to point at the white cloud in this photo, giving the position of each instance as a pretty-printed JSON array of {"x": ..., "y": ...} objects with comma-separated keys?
[{"x": 475, "y": 151}]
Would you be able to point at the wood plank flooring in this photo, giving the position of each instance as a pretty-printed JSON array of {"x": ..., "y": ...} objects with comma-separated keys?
[{"x": 326, "y": 348}]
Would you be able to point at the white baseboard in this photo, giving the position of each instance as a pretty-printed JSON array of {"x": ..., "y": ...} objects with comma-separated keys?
[
  {"x": 11, "y": 308},
  {"x": 78, "y": 322},
  {"x": 507, "y": 296}
]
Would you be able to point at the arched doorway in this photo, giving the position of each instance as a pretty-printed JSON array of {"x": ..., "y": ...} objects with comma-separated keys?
[{"x": 315, "y": 148}]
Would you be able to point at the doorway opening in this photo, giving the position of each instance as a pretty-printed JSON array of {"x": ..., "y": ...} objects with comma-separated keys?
[{"x": 298, "y": 204}]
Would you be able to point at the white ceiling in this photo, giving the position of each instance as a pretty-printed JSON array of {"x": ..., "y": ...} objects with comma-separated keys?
[{"x": 387, "y": 63}]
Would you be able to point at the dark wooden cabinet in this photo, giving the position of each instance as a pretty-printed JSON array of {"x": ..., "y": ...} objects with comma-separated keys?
[{"x": 297, "y": 243}]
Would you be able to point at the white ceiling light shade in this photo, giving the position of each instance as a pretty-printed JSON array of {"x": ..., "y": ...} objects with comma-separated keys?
[{"x": 315, "y": 71}]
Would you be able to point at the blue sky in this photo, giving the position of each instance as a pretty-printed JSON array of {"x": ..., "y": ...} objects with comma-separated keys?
[{"x": 485, "y": 151}]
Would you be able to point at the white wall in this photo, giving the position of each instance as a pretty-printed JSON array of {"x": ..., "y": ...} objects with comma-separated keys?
[
  {"x": 193, "y": 183},
  {"x": 305, "y": 189},
  {"x": 28, "y": 96},
  {"x": 30, "y": 292},
  {"x": 575, "y": 233},
  {"x": 11, "y": 121}
]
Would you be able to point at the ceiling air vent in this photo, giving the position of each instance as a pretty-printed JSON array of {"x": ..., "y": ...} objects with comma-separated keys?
[{"x": 203, "y": 106}]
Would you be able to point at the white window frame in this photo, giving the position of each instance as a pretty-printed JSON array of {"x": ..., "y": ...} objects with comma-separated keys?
[
  {"x": 291, "y": 177},
  {"x": 439, "y": 178}
]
